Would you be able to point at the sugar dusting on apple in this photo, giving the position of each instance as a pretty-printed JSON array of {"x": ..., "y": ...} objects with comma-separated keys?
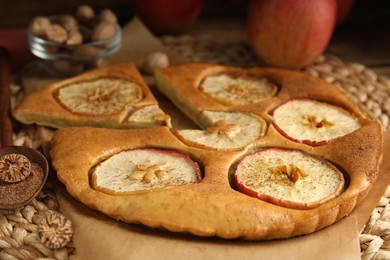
[{"x": 290, "y": 33}]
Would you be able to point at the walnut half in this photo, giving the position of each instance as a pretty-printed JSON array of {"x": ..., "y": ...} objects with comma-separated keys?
[
  {"x": 287, "y": 174},
  {"x": 148, "y": 174},
  {"x": 316, "y": 122},
  {"x": 14, "y": 168},
  {"x": 55, "y": 231},
  {"x": 222, "y": 127}
]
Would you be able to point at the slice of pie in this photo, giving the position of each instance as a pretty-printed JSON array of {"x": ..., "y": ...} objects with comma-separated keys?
[{"x": 114, "y": 97}]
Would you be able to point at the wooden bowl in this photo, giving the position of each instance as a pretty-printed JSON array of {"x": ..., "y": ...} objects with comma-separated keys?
[{"x": 16, "y": 195}]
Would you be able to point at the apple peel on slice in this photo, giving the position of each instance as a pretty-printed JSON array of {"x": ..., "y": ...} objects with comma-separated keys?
[
  {"x": 140, "y": 170},
  {"x": 289, "y": 178},
  {"x": 228, "y": 131},
  {"x": 312, "y": 122}
]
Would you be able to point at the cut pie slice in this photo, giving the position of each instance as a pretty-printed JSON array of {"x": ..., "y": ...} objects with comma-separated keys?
[
  {"x": 288, "y": 178},
  {"x": 104, "y": 97},
  {"x": 313, "y": 122},
  {"x": 227, "y": 131}
]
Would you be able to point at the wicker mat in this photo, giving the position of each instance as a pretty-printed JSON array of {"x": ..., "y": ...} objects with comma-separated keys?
[{"x": 18, "y": 229}]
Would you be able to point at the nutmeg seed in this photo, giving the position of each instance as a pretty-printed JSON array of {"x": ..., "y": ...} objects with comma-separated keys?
[
  {"x": 108, "y": 16},
  {"x": 56, "y": 33},
  {"x": 103, "y": 31},
  {"x": 86, "y": 50},
  {"x": 155, "y": 61},
  {"x": 68, "y": 22},
  {"x": 74, "y": 37},
  {"x": 39, "y": 25},
  {"x": 85, "y": 13}
]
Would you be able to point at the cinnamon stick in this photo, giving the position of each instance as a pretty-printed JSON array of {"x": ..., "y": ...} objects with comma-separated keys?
[{"x": 5, "y": 120}]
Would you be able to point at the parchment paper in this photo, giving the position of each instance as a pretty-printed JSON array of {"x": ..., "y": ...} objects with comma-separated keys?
[{"x": 99, "y": 237}]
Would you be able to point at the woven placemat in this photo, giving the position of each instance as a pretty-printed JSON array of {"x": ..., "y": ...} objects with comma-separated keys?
[{"x": 18, "y": 236}]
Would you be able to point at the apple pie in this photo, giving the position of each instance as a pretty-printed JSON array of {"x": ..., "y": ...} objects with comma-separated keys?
[
  {"x": 293, "y": 158},
  {"x": 113, "y": 97}
]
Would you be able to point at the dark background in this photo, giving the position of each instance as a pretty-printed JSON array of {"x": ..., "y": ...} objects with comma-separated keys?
[
  {"x": 20, "y": 12},
  {"x": 363, "y": 37}
]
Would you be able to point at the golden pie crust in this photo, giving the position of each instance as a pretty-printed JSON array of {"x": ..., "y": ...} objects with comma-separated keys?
[
  {"x": 214, "y": 206},
  {"x": 45, "y": 107}
]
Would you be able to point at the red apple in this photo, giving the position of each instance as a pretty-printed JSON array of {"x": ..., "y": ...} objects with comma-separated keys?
[
  {"x": 290, "y": 33},
  {"x": 343, "y": 9},
  {"x": 167, "y": 16},
  {"x": 14, "y": 41}
]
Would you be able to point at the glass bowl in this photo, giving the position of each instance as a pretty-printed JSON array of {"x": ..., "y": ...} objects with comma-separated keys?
[{"x": 67, "y": 60}]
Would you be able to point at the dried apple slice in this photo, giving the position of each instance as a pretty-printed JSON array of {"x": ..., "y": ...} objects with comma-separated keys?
[
  {"x": 148, "y": 116},
  {"x": 102, "y": 96},
  {"x": 229, "y": 130},
  {"x": 313, "y": 122},
  {"x": 288, "y": 178},
  {"x": 231, "y": 90},
  {"x": 144, "y": 169}
]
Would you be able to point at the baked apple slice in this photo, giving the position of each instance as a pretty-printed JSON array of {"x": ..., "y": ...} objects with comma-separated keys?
[
  {"x": 147, "y": 116},
  {"x": 313, "y": 122},
  {"x": 102, "y": 96},
  {"x": 144, "y": 169},
  {"x": 228, "y": 131},
  {"x": 289, "y": 178},
  {"x": 231, "y": 90}
]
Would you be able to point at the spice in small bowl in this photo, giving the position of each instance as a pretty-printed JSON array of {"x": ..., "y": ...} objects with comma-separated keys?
[
  {"x": 72, "y": 44},
  {"x": 23, "y": 172}
]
